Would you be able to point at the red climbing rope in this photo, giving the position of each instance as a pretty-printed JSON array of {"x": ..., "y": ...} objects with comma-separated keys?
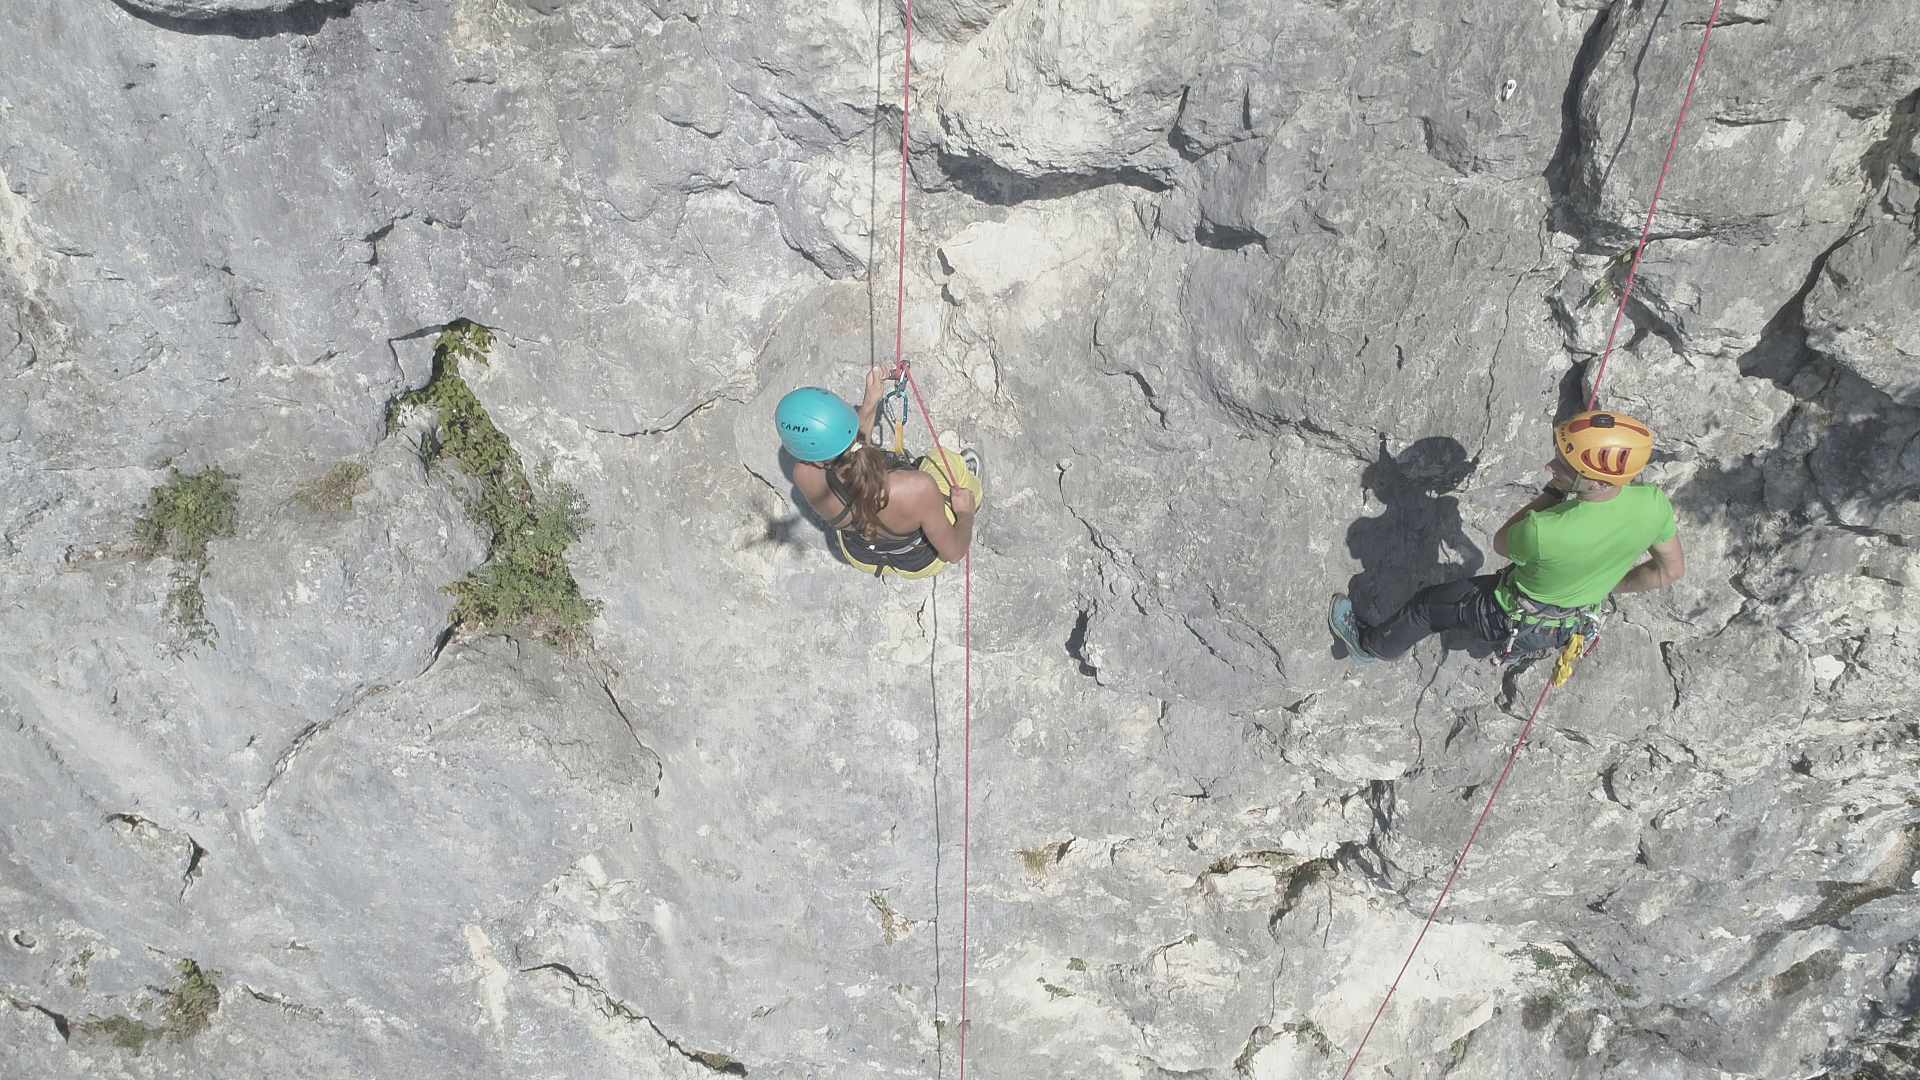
[
  {"x": 1485, "y": 812},
  {"x": 1653, "y": 205},
  {"x": 900, "y": 252},
  {"x": 901, "y": 370},
  {"x": 1626, "y": 292}
]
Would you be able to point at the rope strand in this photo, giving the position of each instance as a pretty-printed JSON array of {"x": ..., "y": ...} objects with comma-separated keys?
[
  {"x": 1485, "y": 812},
  {"x": 900, "y": 252},
  {"x": 1653, "y": 205},
  {"x": 901, "y": 370}
]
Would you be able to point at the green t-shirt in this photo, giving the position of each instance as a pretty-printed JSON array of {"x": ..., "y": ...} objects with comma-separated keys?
[{"x": 1573, "y": 554}]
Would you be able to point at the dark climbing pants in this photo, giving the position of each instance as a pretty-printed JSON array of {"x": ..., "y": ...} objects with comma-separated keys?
[{"x": 1466, "y": 604}]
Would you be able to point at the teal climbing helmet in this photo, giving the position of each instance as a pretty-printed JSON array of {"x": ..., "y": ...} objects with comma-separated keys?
[{"x": 815, "y": 425}]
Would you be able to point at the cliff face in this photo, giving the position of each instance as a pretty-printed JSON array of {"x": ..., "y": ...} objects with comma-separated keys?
[{"x": 1245, "y": 304}]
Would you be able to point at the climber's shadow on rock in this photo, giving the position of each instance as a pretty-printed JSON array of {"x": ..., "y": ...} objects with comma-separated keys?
[
  {"x": 1419, "y": 539},
  {"x": 788, "y": 531}
]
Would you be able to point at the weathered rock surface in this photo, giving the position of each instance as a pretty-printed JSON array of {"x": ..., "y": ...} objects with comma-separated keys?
[{"x": 1245, "y": 303}]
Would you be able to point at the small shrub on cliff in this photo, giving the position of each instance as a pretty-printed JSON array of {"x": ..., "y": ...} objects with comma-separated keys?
[
  {"x": 187, "y": 511},
  {"x": 191, "y": 1001},
  {"x": 465, "y": 432},
  {"x": 525, "y": 582}
]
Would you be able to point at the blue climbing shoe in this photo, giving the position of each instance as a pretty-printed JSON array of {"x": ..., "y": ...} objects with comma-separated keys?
[{"x": 1340, "y": 619}]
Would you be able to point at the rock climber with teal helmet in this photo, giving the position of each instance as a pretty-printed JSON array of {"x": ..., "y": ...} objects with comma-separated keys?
[{"x": 891, "y": 514}]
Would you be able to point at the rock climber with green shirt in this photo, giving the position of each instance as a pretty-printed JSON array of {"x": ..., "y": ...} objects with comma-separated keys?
[{"x": 1590, "y": 534}]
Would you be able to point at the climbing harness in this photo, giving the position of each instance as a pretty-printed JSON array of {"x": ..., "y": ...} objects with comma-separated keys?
[
  {"x": 1529, "y": 617},
  {"x": 906, "y": 553},
  {"x": 1567, "y": 657}
]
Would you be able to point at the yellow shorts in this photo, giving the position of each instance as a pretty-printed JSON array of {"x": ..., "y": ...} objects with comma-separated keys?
[{"x": 931, "y": 466}]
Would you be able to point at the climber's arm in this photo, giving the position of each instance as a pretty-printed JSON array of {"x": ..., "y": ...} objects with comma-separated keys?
[
  {"x": 1666, "y": 566},
  {"x": 870, "y": 403},
  {"x": 950, "y": 539}
]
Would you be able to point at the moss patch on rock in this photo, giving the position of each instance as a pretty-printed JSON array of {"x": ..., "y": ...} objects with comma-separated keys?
[
  {"x": 333, "y": 492},
  {"x": 191, "y": 1001},
  {"x": 182, "y": 516},
  {"x": 186, "y": 1011}
]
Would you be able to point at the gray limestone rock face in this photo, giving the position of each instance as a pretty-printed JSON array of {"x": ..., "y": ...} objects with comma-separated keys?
[
  {"x": 380, "y": 564},
  {"x": 1244, "y": 305},
  {"x": 424, "y": 803},
  {"x": 1856, "y": 310}
]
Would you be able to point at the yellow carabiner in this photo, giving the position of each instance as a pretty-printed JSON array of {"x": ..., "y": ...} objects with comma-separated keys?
[{"x": 1569, "y": 656}]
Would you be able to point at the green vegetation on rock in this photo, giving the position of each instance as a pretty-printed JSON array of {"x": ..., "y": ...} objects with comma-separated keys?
[
  {"x": 191, "y": 1002},
  {"x": 465, "y": 433},
  {"x": 182, "y": 516},
  {"x": 525, "y": 583},
  {"x": 1309, "y": 1034},
  {"x": 122, "y": 1031},
  {"x": 186, "y": 512},
  {"x": 893, "y": 926},
  {"x": 188, "y": 1010},
  {"x": 1539, "y": 1010}
]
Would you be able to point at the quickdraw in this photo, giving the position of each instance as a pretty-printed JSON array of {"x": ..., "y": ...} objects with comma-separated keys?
[{"x": 893, "y": 415}]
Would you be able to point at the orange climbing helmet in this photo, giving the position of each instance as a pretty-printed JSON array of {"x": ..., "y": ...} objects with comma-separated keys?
[{"x": 1605, "y": 446}]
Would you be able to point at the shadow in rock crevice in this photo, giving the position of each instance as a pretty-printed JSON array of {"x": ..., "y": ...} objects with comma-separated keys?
[
  {"x": 996, "y": 185},
  {"x": 1633, "y": 101},
  {"x": 1890, "y": 156},
  {"x": 1560, "y": 167},
  {"x": 1572, "y": 393},
  {"x": 1846, "y": 455},
  {"x": 303, "y": 19}
]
